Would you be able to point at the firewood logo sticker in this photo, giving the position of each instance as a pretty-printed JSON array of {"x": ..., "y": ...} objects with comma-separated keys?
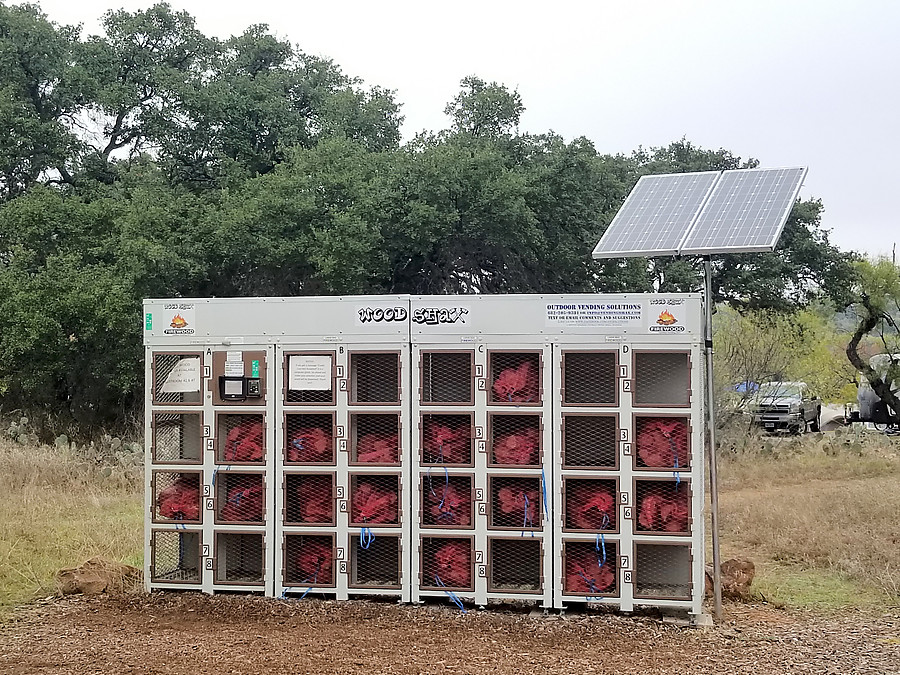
[{"x": 666, "y": 323}]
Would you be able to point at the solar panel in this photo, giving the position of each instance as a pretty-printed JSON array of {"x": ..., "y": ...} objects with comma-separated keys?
[
  {"x": 745, "y": 213},
  {"x": 656, "y": 215}
]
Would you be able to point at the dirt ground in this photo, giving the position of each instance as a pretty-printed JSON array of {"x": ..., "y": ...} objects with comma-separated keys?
[{"x": 189, "y": 633}]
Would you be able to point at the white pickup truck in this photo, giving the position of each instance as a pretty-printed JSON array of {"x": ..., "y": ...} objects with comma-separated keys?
[{"x": 786, "y": 406}]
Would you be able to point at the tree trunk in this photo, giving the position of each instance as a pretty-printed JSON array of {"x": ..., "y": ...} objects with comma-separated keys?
[{"x": 879, "y": 386}]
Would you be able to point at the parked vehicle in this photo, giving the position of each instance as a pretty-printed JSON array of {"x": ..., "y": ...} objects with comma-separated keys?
[{"x": 786, "y": 406}]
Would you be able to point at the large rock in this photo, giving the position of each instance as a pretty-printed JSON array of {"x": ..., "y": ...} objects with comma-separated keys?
[{"x": 98, "y": 575}]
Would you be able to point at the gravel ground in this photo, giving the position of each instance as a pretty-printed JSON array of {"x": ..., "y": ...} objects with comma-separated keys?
[{"x": 189, "y": 633}]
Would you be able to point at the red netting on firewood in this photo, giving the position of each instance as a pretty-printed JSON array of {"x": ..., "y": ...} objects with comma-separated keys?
[
  {"x": 519, "y": 447},
  {"x": 446, "y": 444},
  {"x": 663, "y": 442},
  {"x": 244, "y": 499},
  {"x": 181, "y": 499},
  {"x": 310, "y": 444},
  {"x": 517, "y": 503},
  {"x": 451, "y": 565},
  {"x": 517, "y": 384},
  {"x": 378, "y": 448},
  {"x": 448, "y": 501},
  {"x": 585, "y": 575},
  {"x": 667, "y": 511},
  {"x": 244, "y": 442},
  {"x": 374, "y": 502},
  {"x": 309, "y": 499},
  {"x": 313, "y": 561},
  {"x": 590, "y": 505}
]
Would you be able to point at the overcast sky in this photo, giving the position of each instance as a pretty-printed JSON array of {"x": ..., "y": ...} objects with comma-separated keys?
[{"x": 790, "y": 82}]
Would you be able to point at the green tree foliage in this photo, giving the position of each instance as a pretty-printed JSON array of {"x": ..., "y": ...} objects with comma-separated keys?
[
  {"x": 39, "y": 92},
  {"x": 155, "y": 161},
  {"x": 482, "y": 110},
  {"x": 761, "y": 345}
]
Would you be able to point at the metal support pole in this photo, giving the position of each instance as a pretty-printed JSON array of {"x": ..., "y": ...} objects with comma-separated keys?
[{"x": 711, "y": 441}]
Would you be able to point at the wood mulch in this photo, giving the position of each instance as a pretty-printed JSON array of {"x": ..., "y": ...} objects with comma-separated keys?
[{"x": 181, "y": 633}]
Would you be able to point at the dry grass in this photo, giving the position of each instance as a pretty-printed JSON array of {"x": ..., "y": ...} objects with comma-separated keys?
[
  {"x": 59, "y": 507},
  {"x": 823, "y": 507},
  {"x": 820, "y": 516}
]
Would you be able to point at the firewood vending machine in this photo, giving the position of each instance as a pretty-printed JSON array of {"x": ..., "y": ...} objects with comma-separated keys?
[{"x": 474, "y": 449}]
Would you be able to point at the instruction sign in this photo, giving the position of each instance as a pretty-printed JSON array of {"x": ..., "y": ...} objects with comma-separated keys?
[
  {"x": 234, "y": 364},
  {"x": 184, "y": 377},
  {"x": 310, "y": 373},
  {"x": 596, "y": 314}
]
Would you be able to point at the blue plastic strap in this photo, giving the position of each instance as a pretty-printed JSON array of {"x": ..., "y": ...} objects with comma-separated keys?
[
  {"x": 226, "y": 468},
  {"x": 600, "y": 547},
  {"x": 446, "y": 487},
  {"x": 525, "y": 518},
  {"x": 676, "y": 473},
  {"x": 315, "y": 578},
  {"x": 450, "y": 594},
  {"x": 366, "y": 537},
  {"x": 430, "y": 483},
  {"x": 544, "y": 493},
  {"x": 592, "y": 586}
]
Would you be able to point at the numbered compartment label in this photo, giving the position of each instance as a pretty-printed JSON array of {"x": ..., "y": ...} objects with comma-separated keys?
[
  {"x": 482, "y": 570},
  {"x": 479, "y": 494},
  {"x": 626, "y": 385},
  {"x": 343, "y": 385},
  {"x": 339, "y": 431},
  {"x": 623, "y": 371},
  {"x": 623, "y": 434},
  {"x": 479, "y": 432},
  {"x": 479, "y": 556},
  {"x": 207, "y": 372},
  {"x": 207, "y": 490},
  {"x": 626, "y": 576},
  {"x": 342, "y": 445},
  {"x": 205, "y": 551},
  {"x": 482, "y": 446},
  {"x": 210, "y": 504},
  {"x": 210, "y": 444},
  {"x": 479, "y": 371},
  {"x": 482, "y": 509},
  {"x": 207, "y": 431},
  {"x": 339, "y": 491},
  {"x": 339, "y": 554},
  {"x": 209, "y": 564},
  {"x": 626, "y": 449},
  {"x": 343, "y": 567},
  {"x": 481, "y": 384},
  {"x": 627, "y": 512},
  {"x": 624, "y": 562},
  {"x": 339, "y": 371},
  {"x": 342, "y": 506},
  {"x": 623, "y": 498}
]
